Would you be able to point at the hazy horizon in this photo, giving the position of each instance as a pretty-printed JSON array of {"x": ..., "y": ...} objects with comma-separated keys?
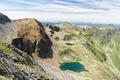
[{"x": 93, "y": 11}]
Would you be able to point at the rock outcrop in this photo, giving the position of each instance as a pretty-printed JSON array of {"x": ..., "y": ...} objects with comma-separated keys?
[
  {"x": 4, "y": 19},
  {"x": 17, "y": 65},
  {"x": 33, "y": 38},
  {"x": 28, "y": 35}
]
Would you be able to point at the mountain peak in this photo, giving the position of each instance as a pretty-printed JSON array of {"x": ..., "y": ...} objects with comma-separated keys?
[
  {"x": 28, "y": 23},
  {"x": 4, "y": 19}
]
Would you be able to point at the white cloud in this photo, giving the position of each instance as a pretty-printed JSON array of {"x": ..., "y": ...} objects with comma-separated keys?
[{"x": 60, "y": 10}]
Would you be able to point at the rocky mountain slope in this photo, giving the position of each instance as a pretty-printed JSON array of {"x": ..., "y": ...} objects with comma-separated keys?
[
  {"x": 88, "y": 46},
  {"x": 22, "y": 45},
  {"x": 32, "y": 51}
]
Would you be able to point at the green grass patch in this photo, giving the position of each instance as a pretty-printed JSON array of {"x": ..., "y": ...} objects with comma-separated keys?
[{"x": 4, "y": 48}]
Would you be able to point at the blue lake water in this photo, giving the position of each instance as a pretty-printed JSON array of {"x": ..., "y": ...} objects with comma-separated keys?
[{"x": 72, "y": 66}]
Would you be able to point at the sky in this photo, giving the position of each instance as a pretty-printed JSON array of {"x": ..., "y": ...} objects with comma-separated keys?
[{"x": 96, "y": 11}]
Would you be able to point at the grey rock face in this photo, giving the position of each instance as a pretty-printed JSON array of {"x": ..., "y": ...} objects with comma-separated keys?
[
  {"x": 17, "y": 65},
  {"x": 4, "y": 19}
]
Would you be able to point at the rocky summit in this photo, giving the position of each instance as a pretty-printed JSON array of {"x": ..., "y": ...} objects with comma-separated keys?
[
  {"x": 4, "y": 19},
  {"x": 30, "y": 50}
]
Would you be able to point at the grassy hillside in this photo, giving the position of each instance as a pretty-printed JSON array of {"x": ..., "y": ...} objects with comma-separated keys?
[{"x": 87, "y": 46}]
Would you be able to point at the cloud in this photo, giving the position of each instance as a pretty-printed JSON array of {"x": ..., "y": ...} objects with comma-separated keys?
[{"x": 105, "y": 11}]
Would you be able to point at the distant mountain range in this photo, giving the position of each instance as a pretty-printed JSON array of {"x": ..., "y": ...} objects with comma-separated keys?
[{"x": 82, "y": 23}]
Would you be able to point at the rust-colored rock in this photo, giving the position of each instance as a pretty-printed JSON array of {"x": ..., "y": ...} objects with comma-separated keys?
[{"x": 32, "y": 38}]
